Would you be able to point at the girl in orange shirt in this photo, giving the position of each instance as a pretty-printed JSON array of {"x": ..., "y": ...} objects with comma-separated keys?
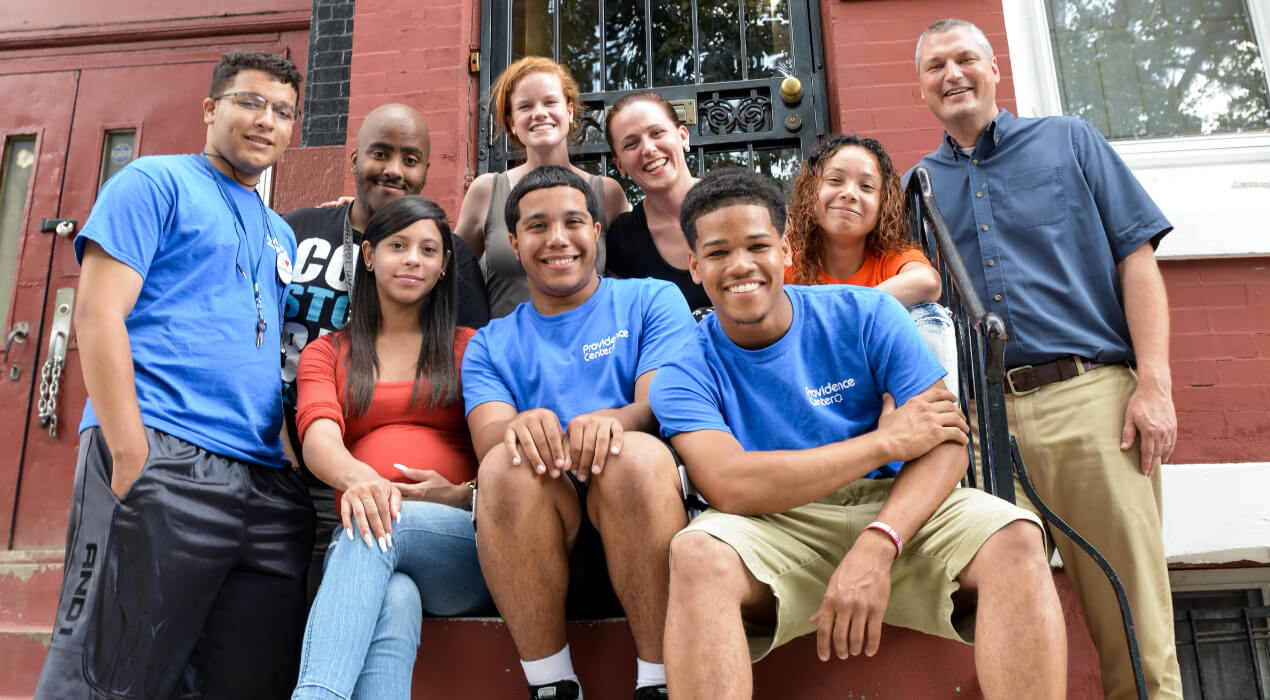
[{"x": 847, "y": 223}]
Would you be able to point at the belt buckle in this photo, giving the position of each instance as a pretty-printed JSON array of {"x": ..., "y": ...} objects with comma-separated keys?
[{"x": 1009, "y": 381}]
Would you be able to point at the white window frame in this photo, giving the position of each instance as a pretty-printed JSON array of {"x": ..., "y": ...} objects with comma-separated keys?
[{"x": 1212, "y": 188}]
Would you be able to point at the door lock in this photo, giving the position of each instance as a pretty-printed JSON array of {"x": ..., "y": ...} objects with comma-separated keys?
[
  {"x": 62, "y": 227},
  {"x": 18, "y": 333},
  {"x": 51, "y": 373}
]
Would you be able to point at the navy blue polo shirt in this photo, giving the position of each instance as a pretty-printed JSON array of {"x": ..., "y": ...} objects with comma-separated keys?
[{"x": 1041, "y": 212}]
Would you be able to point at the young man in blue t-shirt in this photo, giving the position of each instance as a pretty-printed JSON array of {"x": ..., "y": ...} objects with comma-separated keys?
[
  {"x": 557, "y": 401},
  {"x": 815, "y": 423},
  {"x": 189, "y": 537}
]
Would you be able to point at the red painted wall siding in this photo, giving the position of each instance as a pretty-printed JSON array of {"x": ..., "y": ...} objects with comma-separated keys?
[
  {"x": 1220, "y": 313},
  {"x": 416, "y": 54},
  {"x": 872, "y": 79}
]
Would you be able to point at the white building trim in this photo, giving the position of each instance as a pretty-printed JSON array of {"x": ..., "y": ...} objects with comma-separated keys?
[
  {"x": 1214, "y": 189},
  {"x": 1216, "y": 513}
]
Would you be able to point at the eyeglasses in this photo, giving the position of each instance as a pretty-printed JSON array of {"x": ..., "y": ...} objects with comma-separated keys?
[{"x": 254, "y": 102}]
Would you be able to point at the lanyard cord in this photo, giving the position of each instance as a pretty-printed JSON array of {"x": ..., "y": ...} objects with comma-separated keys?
[
  {"x": 348, "y": 260},
  {"x": 240, "y": 233}
]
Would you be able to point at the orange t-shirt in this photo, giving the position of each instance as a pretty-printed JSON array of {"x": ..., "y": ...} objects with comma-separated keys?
[
  {"x": 390, "y": 431},
  {"x": 877, "y": 268}
]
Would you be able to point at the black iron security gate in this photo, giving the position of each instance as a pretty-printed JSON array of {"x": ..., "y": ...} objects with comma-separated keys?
[{"x": 722, "y": 63}]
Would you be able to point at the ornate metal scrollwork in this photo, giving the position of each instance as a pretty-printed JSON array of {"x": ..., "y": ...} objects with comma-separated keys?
[
  {"x": 590, "y": 124},
  {"x": 747, "y": 114}
]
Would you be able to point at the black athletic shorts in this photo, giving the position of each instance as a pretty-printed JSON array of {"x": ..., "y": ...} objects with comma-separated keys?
[{"x": 192, "y": 586}]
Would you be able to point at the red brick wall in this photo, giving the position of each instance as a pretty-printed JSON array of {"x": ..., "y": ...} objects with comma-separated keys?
[
  {"x": 872, "y": 79},
  {"x": 416, "y": 54},
  {"x": 1220, "y": 313}
]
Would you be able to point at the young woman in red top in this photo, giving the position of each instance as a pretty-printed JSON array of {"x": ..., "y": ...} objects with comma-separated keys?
[
  {"x": 847, "y": 223},
  {"x": 380, "y": 417}
]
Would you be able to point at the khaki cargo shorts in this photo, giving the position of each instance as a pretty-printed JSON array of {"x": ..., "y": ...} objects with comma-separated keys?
[{"x": 796, "y": 552}]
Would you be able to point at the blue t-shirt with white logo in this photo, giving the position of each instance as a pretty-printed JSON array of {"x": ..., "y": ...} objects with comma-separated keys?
[
  {"x": 199, "y": 374},
  {"x": 820, "y": 383},
  {"x": 583, "y": 360}
]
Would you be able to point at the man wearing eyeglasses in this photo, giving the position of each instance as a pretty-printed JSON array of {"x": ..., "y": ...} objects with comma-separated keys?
[{"x": 189, "y": 539}]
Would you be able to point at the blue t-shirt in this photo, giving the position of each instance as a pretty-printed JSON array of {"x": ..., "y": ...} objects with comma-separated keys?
[
  {"x": 199, "y": 374},
  {"x": 822, "y": 382},
  {"x": 583, "y": 360},
  {"x": 1041, "y": 212}
]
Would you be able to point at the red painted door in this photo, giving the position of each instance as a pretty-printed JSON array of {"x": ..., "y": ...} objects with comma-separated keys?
[
  {"x": 157, "y": 108},
  {"x": 36, "y": 132}
]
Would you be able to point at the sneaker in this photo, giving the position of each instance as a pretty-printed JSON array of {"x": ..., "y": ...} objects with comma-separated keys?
[
  {"x": 651, "y": 692},
  {"x": 560, "y": 690}
]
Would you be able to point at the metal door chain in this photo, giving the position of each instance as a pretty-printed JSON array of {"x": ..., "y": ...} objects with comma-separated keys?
[{"x": 50, "y": 383}]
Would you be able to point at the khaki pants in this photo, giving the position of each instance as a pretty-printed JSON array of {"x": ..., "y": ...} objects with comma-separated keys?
[{"x": 1069, "y": 435}]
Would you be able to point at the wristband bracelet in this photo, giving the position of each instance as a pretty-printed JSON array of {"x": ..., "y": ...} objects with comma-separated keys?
[{"x": 890, "y": 532}]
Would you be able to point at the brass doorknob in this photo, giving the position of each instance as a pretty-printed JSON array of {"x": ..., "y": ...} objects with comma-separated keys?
[{"x": 791, "y": 90}]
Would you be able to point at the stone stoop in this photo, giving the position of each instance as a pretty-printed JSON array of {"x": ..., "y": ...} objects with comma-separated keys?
[
  {"x": 474, "y": 658},
  {"x": 29, "y": 585}
]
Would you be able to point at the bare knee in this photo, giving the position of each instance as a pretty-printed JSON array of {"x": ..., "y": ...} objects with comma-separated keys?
[
  {"x": 1013, "y": 554},
  {"x": 699, "y": 562},
  {"x": 508, "y": 490},
  {"x": 643, "y": 473}
]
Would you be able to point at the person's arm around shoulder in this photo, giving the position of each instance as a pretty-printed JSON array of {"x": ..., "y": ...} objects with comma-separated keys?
[
  {"x": 1150, "y": 416},
  {"x": 471, "y": 224},
  {"x": 108, "y": 289},
  {"x": 742, "y": 482},
  {"x": 615, "y": 201}
]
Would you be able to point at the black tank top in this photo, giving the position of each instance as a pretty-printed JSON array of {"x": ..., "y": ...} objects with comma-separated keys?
[{"x": 632, "y": 254}]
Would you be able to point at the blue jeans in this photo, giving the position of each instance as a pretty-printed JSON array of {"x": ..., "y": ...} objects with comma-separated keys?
[
  {"x": 935, "y": 324},
  {"x": 363, "y": 629}
]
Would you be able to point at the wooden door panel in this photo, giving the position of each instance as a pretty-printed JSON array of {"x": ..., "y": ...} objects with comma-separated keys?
[
  {"x": 163, "y": 103},
  {"x": 40, "y": 105}
]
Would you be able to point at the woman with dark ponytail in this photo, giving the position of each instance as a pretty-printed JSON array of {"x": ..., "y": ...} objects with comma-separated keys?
[{"x": 381, "y": 420}]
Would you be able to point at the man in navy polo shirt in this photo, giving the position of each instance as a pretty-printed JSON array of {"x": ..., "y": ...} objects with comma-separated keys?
[{"x": 1059, "y": 238}]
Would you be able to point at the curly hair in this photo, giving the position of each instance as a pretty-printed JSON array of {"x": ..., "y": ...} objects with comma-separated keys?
[
  {"x": 726, "y": 187},
  {"x": 500, "y": 93},
  {"x": 232, "y": 62},
  {"x": 889, "y": 234}
]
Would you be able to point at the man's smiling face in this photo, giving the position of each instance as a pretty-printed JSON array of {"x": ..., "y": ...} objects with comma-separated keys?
[{"x": 958, "y": 78}]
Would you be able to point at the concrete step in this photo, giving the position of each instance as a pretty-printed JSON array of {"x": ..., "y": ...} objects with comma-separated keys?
[
  {"x": 475, "y": 658},
  {"x": 21, "y": 656},
  {"x": 29, "y": 584}
]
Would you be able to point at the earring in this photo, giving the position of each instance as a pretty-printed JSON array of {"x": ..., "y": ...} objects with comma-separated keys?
[
  {"x": 370, "y": 266},
  {"x": 442, "y": 275}
]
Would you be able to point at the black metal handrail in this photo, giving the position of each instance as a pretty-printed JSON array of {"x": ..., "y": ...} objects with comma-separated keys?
[{"x": 981, "y": 337}]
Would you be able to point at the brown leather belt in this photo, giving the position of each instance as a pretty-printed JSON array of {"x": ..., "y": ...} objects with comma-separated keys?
[{"x": 1026, "y": 379}]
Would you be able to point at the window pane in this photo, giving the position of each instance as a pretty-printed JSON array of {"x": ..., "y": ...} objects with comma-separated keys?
[
  {"x": 625, "y": 58},
  {"x": 718, "y": 23},
  {"x": 672, "y": 43},
  {"x": 533, "y": 28},
  {"x": 1140, "y": 69},
  {"x": 768, "y": 50},
  {"x": 15, "y": 180},
  {"x": 781, "y": 164},
  {"x": 726, "y": 159},
  {"x": 118, "y": 149},
  {"x": 580, "y": 43}
]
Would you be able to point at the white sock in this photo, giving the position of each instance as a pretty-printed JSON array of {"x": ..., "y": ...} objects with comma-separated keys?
[
  {"x": 649, "y": 674},
  {"x": 557, "y": 667}
]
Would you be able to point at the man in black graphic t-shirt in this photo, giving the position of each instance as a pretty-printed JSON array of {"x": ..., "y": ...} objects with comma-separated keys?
[{"x": 389, "y": 160}]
